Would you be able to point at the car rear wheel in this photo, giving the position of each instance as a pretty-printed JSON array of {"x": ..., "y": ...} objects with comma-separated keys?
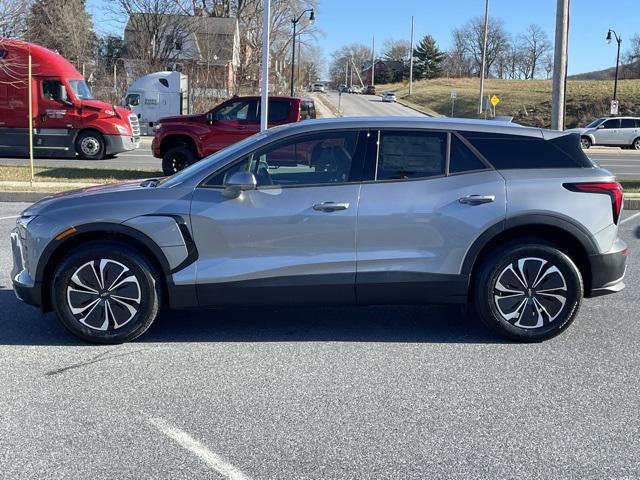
[
  {"x": 176, "y": 159},
  {"x": 90, "y": 145},
  {"x": 636, "y": 144},
  {"x": 528, "y": 292},
  {"x": 106, "y": 293},
  {"x": 585, "y": 142}
]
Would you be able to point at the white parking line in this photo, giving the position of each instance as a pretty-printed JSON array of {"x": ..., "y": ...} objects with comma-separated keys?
[
  {"x": 9, "y": 218},
  {"x": 630, "y": 218},
  {"x": 188, "y": 442}
]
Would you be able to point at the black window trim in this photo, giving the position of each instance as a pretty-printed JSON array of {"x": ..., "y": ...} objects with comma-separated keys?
[{"x": 359, "y": 149}]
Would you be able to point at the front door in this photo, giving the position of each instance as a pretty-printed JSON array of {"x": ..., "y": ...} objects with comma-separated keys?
[
  {"x": 291, "y": 240},
  {"x": 55, "y": 114},
  {"x": 420, "y": 215},
  {"x": 231, "y": 122},
  {"x": 608, "y": 133}
]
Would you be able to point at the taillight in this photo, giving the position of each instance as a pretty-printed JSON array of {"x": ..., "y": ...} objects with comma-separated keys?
[{"x": 613, "y": 189}]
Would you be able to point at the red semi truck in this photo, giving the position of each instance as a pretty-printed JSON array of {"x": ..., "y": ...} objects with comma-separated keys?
[{"x": 67, "y": 120}]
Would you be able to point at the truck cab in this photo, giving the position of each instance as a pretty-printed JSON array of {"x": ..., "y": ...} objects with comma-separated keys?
[
  {"x": 66, "y": 120},
  {"x": 183, "y": 140}
]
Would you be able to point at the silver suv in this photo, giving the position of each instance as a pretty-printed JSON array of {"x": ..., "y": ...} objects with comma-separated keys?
[
  {"x": 342, "y": 211},
  {"x": 611, "y": 132}
]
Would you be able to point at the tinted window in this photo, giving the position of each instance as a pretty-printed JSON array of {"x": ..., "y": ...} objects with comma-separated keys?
[
  {"x": 313, "y": 159},
  {"x": 627, "y": 123},
  {"x": 637, "y": 122},
  {"x": 50, "y": 89},
  {"x": 307, "y": 110},
  {"x": 405, "y": 155},
  {"x": 462, "y": 159},
  {"x": 517, "y": 151},
  {"x": 133, "y": 99},
  {"x": 278, "y": 111},
  {"x": 614, "y": 123}
]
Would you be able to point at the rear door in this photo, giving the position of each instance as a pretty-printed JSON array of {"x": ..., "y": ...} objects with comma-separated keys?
[
  {"x": 430, "y": 198},
  {"x": 292, "y": 240},
  {"x": 628, "y": 131}
]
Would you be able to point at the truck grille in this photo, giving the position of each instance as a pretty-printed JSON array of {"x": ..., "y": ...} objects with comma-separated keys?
[{"x": 135, "y": 125}]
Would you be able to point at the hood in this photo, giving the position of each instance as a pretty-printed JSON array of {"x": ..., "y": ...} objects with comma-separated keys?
[
  {"x": 111, "y": 188},
  {"x": 184, "y": 119},
  {"x": 106, "y": 108}
]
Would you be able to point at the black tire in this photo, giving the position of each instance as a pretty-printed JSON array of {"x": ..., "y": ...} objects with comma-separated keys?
[
  {"x": 585, "y": 142},
  {"x": 176, "y": 159},
  {"x": 79, "y": 273},
  {"x": 90, "y": 145},
  {"x": 533, "y": 322},
  {"x": 636, "y": 144}
]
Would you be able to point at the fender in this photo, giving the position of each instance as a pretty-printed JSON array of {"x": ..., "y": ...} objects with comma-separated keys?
[{"x": 562, "y": 222}]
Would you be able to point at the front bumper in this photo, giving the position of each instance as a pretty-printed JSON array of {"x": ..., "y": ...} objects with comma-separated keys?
[
  {"x": 25, "y": 288},
  {"x": 120, "y": 143},
  {"x": 608, "y": 269}
]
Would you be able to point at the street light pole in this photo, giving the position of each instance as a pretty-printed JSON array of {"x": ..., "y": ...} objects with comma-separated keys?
[
  {"x": 619, "y": 41},
  {"x": 293, "y": 43},
  {"x": 264, "y": 99},
  {"x": 411, "y": 61},
  {"x": 484, "y": 54}
]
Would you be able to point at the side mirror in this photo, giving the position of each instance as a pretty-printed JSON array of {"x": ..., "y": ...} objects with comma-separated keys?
[
  {"x": 211, "y": 116},
  {"x": 600, "y": 126},
  {"x": 61, "y": 95},
  {"x": 238, "y": 183}
]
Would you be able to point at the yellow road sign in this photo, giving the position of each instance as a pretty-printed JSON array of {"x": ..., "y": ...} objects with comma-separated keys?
[{"x": 495, "y": 100}]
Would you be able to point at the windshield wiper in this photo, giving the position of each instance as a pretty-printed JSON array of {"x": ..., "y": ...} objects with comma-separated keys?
[{"x": 150, "y": 182}]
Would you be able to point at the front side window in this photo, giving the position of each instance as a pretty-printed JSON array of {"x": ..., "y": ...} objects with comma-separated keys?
[
  {"x": 595, "y": 123},
  {"x": 314, "y": 159},
  {"x": 51, "y": 89},
  {"x": 133, "y": 99},
  {"x": 407, "y": 155},
  {"x": 613, "y": 123},
  {"x": 238, "y": 111}
]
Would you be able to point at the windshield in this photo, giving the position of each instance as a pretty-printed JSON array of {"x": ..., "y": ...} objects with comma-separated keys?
[
  {"x": 595, "y": 123},
  {"x": 80, "y": 89}
]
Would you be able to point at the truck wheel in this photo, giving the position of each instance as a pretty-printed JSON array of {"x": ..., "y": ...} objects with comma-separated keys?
[
  {"x": 585, "y": 142},
  {"x": 90, "y": 145},
  {"x": 176, "y": 159}
]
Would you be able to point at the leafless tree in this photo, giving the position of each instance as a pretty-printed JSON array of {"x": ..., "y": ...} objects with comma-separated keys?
[
  {"x": 470, "y": 38},
  {"x": 632, "y": 58},
  {"x": 358, "y": 53},
  {"x": 396, "y": 50},
  {"x": 12, "y": 18},
  {"x": 547, "y": 63},
  {"x": 458, "y": 62},
  {"x": 534, "y": 44}
]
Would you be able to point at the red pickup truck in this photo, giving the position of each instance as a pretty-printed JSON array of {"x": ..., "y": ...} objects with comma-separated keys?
[{"x": 181, "y": 141}]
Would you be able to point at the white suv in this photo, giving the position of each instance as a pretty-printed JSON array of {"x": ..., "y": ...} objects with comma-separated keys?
[{"x": 611, "y": 132}]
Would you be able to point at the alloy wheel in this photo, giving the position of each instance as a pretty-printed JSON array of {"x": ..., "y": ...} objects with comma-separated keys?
[
  {"x": 530, "y": 292},
  {"x": 104, "y": 294},
  {"x": 90, "y": 146}
]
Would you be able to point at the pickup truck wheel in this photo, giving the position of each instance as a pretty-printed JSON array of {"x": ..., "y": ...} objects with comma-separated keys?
[
  {"x": 90, "y": 145},
  {"x": 176, "y": 159},
  {"x": 585, "y": 142}
]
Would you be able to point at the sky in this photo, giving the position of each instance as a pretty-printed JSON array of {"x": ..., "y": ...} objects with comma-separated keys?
[{"x": 357, "y": 21}]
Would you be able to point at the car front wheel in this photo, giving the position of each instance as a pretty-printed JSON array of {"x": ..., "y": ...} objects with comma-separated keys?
[
  {"x": 528, "y": 292},
  {"x": 585, "y": 142},
  {"x": 106, "y": 293}
]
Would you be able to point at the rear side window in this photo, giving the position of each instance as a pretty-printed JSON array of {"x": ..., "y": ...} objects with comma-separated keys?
[
  {"x": 278, "y": 111},
  {"x": 462, "y": 159},
  {"x": 407, "y": 155},
  {"x": 637, "y": 122},
  {"x": 517, "y": 151},
  {"x": 627, "y": 123}
]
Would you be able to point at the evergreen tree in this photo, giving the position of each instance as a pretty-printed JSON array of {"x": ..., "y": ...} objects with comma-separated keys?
[{"x": 427, "y": 59}]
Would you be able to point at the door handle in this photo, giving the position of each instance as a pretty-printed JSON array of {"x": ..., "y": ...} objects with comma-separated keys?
[
  {"x": 477, "y": 199},
  {"x": 330, "y": 206}
]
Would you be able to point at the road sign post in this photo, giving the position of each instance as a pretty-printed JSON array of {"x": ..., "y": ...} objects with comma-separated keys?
[
  {"x": 615, "y": 107},
  {"x": 453, "y": 96},
  {"x": 495, "y": 100}
]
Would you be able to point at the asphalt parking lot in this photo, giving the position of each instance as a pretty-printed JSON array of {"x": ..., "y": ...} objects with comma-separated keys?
[{"x": 379, "y": 392}]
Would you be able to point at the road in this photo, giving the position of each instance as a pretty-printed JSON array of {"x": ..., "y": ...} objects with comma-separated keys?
[
  {"x": 378, "y": 392},
  {"x": 624, "y": 163}
]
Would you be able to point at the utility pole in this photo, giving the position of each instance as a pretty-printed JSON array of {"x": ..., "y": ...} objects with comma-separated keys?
[
  {"x": 484, "y": 54},
  {"x": 346, "y": 73},
  {"x": 560, "y": 65},
  {"x": 264, "y": 95},
  {"x": 411, "y": 60},
  {"x": 373, "y": 61}
]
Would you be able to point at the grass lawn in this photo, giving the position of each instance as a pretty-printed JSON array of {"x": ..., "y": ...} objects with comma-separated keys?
[
  {"x": 528, "y": 101},
  {"x": 74, "y": 175}
]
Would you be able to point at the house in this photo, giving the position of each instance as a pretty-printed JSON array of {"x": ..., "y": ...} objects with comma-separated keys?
[
  {"x": 206, "y": 48},
  {"x": 393, "y": 71}
]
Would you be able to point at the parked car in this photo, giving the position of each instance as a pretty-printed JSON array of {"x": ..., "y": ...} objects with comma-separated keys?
[
  {"x": 356, "y": 89},
  {"x": 318, "y": 87},
  {"x": 67, "y": 120},
  {"x": 183, "y": 140},
  {"x": 343, "y": 88},
  {"x": 337, "y": 211},
  {"x": 370, "y": 90},
  {"x": 611, "y": 132},
  {"x": 389, "y": 97}
]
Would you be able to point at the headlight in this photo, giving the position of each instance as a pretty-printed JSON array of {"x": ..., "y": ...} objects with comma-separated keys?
[
  {"x": 156, "y": 127},
  {"x": 25, "y": 220},
  {"x": 123, "y": 130}
]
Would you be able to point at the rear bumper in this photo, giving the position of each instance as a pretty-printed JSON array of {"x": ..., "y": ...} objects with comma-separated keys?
[
  {"x": 608, "y": 269},
  {"x": 119, "y": 143}
]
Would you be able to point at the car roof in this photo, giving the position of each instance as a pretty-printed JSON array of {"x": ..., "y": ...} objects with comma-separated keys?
[{"x": 416, "y": 122}]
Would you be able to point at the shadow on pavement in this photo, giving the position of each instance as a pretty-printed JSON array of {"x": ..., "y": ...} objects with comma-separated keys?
[{"x": 21, "y": 324}]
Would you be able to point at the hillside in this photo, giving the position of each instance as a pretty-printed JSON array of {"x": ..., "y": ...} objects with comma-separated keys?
[
  {"x": 528, "y": 101},
  {"x": 631, "y": 70}
]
